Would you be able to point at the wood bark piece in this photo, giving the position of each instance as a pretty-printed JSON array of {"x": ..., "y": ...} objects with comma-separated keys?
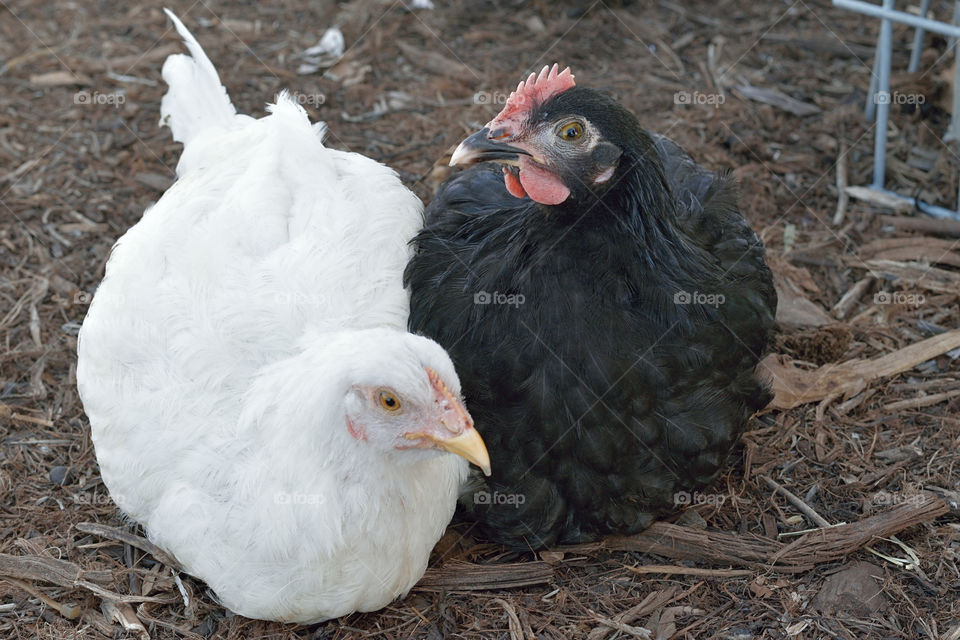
[
  {"x": 923, "y": 224},
  {"x": 926, "y": 254},
  {"x": 793, "y": 386},
  {"x": 834, "y": 46},
  {"x": 881, "y": 244},
  {"x": 914, "y": 274},
  {"x": 674, "y": 570},
  {"x": 913, "y": 249},
  {"x": 465, "y": 576},
  {"x": 921, "y": 401},
  {"x": 777, "y": 99},
  {"x": 68, "y": 575},
  {"x": 59, "y": 572},
  {"x": 749, "y": 550}
]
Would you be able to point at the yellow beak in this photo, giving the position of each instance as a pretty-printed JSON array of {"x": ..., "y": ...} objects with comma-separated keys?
[{"x": 468, "y": 445}]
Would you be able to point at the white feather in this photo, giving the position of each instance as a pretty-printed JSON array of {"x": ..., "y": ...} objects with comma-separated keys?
[
  {"x": 196, "y": 102},
  {"x": 216, "y": 354}
]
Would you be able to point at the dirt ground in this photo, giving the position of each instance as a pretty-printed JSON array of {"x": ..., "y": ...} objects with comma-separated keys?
[{"x": 773, "y": 91}]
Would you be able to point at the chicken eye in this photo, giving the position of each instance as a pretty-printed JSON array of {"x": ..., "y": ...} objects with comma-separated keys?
[
  {"x": 571, "y": 131},
  {"x": 389, "y": 401}
]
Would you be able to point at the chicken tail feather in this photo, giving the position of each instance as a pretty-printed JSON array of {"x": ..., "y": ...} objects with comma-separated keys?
[{"x": 196, "y": 100}]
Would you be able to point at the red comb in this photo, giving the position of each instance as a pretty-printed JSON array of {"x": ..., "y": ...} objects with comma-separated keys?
[{"x": 535, "y": 90}]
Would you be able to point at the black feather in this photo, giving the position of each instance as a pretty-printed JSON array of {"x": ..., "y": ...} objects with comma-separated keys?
[{"x": 599, "y": 397}]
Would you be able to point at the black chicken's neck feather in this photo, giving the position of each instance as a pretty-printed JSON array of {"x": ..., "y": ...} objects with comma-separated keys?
[{"x": 638, "y": 207}]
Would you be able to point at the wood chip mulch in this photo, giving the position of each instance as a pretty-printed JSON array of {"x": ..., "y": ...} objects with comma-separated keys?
[{"x": 838, "y": 517}]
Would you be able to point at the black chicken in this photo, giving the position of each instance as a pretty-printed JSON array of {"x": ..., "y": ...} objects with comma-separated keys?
[{"x": 605, "y": 304}]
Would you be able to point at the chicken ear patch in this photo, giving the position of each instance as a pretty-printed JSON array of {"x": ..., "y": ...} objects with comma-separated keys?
[
  {"x": 540, "y": 184},
  {"x": 358, "y": 433}
]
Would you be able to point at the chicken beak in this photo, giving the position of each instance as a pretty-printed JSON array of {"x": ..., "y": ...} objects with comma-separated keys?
[
  {"x": 468, "y": 445},
  {"x": 480, "y": 147}
]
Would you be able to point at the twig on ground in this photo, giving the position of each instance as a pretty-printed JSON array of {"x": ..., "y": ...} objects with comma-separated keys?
[
  {"x": 636, "y": 632},
  {"x": 807, "y": 510},
  {"x": 851, "y": 298},
  {"x": 920, "y": 402},
  {"x": 132, "y": 539},
  {"x": 690, "y": 571},
  {"x": 68, "y": 610}
]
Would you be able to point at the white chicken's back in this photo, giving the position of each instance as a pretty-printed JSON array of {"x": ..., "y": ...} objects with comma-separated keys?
[{"x": 209, "y": 346}]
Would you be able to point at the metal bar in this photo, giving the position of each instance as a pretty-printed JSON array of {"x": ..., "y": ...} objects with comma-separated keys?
[
  {"x": 870, "y": 110},
  {"x": 953, "y": 133},
  {"x": 918, "y": 40},
  {"x": 931, "y": 210},
  {"x": 934, "y": 211},
  {"x": 887, "y": 12},
  {"x": 952, "y": 42},
  {"x": 956, "y": 214},
  {"x": 884, "y": 49}
]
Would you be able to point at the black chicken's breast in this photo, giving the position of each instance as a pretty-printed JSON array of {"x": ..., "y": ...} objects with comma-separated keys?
[{"x": 606, "y": 345}]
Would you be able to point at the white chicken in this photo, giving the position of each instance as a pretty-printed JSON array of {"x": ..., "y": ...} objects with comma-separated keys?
[{"x": 255, "y": 400}]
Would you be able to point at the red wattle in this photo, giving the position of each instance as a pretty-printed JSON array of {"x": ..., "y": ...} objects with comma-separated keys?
[
  {"x": 513, "y": 185},
  {"x": 541, "y": 185}
]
